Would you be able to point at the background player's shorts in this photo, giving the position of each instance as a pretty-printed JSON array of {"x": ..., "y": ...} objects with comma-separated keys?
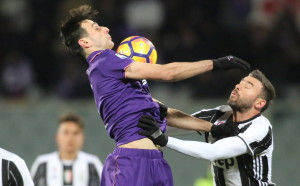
[{"x": 136, "y": 167}]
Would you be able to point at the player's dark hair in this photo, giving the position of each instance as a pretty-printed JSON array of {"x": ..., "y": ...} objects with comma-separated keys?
[
  {"x": 70, "y": 117},
  {"x": 71, "y": 30},
  {"x": 268, "y": 91}
]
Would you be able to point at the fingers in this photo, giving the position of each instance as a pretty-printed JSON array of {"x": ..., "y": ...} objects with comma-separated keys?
[
  {"x": 148, "y": 123},
  {"x": 144, "y": 133},
  {"x": 147, "y": 126},
  {"x": 242, "y": 64},
  {"x": 147, "y": 119}
]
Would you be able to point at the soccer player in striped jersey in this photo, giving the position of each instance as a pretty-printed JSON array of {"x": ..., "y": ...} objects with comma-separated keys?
[
  {"x": 122, "y": 98},
  {"x": 241, "y": 159},
  {"x": 14, "y": 171},
  {"x": 68, "y": 166}
]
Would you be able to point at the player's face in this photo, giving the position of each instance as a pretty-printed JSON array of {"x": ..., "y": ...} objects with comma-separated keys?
[
  {"x": 97, "y": 36},
  {"x": 69, "y": 137},
  {"x": 246, "y": 94}
]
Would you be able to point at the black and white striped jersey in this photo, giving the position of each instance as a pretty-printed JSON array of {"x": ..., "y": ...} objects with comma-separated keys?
[
  {"x": 251, "y": 169},
  {"x": 13, "y": 170},
  {"x": 50, "y": 170}
]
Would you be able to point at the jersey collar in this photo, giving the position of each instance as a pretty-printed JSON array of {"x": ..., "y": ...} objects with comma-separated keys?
[
  {"x": 93, "y": 55},
  {"x": 245, "y": 121}
]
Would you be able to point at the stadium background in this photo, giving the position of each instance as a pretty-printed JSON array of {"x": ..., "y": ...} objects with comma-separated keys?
[{"x": 39, "y": 80}]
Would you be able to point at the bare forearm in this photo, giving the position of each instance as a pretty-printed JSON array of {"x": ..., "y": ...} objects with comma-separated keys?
[
  {"x": 170, "y": 72},
  {"x": 182, "y": 70},
  {"x": 179, "y": 119}
]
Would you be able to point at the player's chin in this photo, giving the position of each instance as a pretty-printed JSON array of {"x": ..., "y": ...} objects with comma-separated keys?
[
  {"x": 111, "y": 44},
  {"x": 231, "y": 102}
]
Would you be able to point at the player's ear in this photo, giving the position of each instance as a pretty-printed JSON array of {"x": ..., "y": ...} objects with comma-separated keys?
[
  {"x": 260, "y": 103},
  {"x": 84, "y": 43}
]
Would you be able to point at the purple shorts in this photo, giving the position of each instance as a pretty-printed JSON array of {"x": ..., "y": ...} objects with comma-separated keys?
[{"x": 136, "y": 167}]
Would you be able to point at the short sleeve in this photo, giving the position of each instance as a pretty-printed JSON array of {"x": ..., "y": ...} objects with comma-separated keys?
[
  {"x": 114, "y": 64},
  {"x": 257, "y": 137}
]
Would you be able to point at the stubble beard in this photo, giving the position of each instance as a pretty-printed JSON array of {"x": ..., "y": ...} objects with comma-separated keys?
[{"x": 240, "y": 106}]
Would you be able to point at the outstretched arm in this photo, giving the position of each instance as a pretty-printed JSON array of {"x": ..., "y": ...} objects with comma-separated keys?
[
  {"x": 182, "y": 70},
  {"x": 179, "y": 119},
  {"x": 222, "y": 149},
  {"x": 169, "y": 72}
]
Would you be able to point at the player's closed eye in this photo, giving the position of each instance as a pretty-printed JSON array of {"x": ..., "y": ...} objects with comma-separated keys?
[{"x": 246, "y": 84}]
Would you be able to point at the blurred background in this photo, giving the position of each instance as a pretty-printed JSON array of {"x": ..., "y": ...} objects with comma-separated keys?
[{"x": 39, "y": 80}]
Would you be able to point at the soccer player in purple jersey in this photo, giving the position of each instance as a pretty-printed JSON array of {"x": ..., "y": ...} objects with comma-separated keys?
[{"x": 122, "y": 97}]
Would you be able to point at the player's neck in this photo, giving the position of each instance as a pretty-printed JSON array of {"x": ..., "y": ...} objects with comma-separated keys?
[
  {"x": 68, "y": 155},
  {"x": 89, "y": 51},
  {"x": 243, "y": 116}
]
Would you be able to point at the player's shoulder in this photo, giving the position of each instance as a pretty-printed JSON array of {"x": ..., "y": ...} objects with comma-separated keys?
[
  {"x": 7, "y": 155},
  {"x": 112, "y": 55},
  {"x": 46, "y": 157},
  {"x": 261, "y": 120},
  {"x": 87, "y": 156},
  {"x": 101, "y": 55},
  {"x": 211, "y": 111}
]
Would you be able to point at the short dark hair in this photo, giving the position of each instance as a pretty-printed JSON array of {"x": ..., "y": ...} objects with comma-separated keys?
[
  {"x": 268, "y": 90},
  {"x": 71, "y": 30},
  {"x": 70, "y": 117}
]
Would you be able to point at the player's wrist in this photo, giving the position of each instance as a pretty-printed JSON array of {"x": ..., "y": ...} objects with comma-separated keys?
[
  {"x": 215, "y": 132},
  {"x": 161, "y": 140},
  {"x": 219, "y": 63},
  {"x": 163, "y": 110}
]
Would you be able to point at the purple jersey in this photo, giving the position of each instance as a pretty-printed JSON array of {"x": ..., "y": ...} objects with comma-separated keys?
[{"x": 120, "y": 101}]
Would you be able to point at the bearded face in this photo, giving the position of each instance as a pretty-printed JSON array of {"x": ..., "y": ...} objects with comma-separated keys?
[
  {"x": 239, "y": 103},
  {"x": 245, "y": 94}
]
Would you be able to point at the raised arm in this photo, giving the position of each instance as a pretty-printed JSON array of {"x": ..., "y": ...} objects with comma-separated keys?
[{"x": 181, "y": 70}]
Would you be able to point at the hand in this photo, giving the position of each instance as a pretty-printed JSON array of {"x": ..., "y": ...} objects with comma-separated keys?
[
  {"x": 163, "y": 110},
  {"x": 152, "y": 131},
  {"x": 229, "y": 62},
  {"x": 224, "y": 130}
]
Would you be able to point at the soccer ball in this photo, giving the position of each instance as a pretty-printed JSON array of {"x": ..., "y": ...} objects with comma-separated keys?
[{"x": 139, "y": 49}]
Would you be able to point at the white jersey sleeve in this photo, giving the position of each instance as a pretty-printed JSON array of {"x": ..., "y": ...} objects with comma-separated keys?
[
  {"x": 222, "y": 149},
  {"x": 258, "y": 136}
]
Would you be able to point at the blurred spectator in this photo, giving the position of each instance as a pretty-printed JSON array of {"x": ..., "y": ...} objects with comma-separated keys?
[
  {"x": 17, "y": 75},
  {"x": 18, "y": 12},
  {"x": 73, "y": 80}
]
